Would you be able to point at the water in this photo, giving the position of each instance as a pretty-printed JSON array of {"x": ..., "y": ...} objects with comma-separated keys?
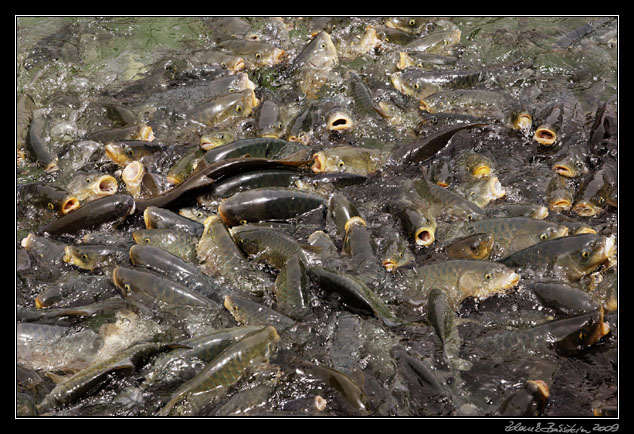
[{"x": 133, "y": 60}]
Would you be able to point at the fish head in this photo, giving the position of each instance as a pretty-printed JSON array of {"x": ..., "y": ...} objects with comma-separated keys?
[
  {"x": 397, "y": 255},
  {"x": 484, "y": 278},
  {"x": 475, "y": 246},
  {"x": 79, "y": 257},
  {"x": 579, "y": 333},
  {"x": 347, "y": 159},
  {"x": 414, "y": 25},
  {"x": 594, "y": 252},
  {"x": 320, "y": 53}
]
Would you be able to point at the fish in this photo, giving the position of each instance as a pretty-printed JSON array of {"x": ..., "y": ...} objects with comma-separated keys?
[
  {"x": 271, "y": 204},
  {"x": 420, "y": 84},
  {"x": 220, "y": 257},
  {"x": 169, "y": 369},
  {"x": 348, "y": 159},
  {"x": 513, "y": 234},
  {"x": 415, "y": 25},
  {"x": 559, "y": 194},
  {"x": 418, "y": 224},
  {"x": 90, "y": 186},
  {"x": 255, "y": 54},
  {"x": 125, "y": 152},
  {"x": 436, "y": 42},
  {"x": 259, "y": 147},
  {"x": 567, "y": 336},
  {"x": 132, "y": 280},
  {"x": 482, "y": 191},
  {"x": 216, "y": 138},
  {"x": 185, "y": 165},
  {"x": 548, "y": 125},
  {"x": 571, "y": 162},
  {"x": 46, "y": 196},
  {"x": 439, "y": 199},
  {"x": 531, "y": 210},
  {"x": 474, "y": 165},
  {"x": 462, "y": 278},
  {"x": 88, "y": 379},
  {"x": 291, "y": 289},
  {"x": 248, "y": 312},
  {"x": 161, "y": 218},
  {"x": 91, "y": 257},
  {"x": 354, "y": 292},
  {"x": 224, "y": 370},
  {"x": 268, "y": 120},
  {"x": 179, "y": 243},
  {"x": 319, "y": 54},
  {"x": 269, "y": 245},
  {"x": 477, "y": 103},
  {"x": 37, "y": 145},
  {"x": 256, "y": 179},
  {"x": 110, "y": 209},
  {"x": 129, "y": 133},
  {"x": 340, "y": 119},
  {"x": 223, "y": 110},
  {"x": 474, "y": 246},
  {"x": 564, "y": 298},
  {"x": 363, "y": 98},
  {"x": 592, "y": 195},
  {"x": 397, "y": 254},
  {"x": 423, "y": 148},
  {"x": 343, "y": 213},
  {"x": 572, "y": 257},
  {"x": 423, "y": 60},
  {"x": 529, "y": 401}
]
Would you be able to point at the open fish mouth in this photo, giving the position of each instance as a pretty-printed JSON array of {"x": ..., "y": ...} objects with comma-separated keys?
[
  {"x": 545, "y": 136},
  {"x": 560, "y": 205},
  {"x": 523, "y": 121},
  {"x": 279, "y": 55},
  {"x": 496, "y": 188},
  {"x": 423, "y": 106},
  {"x": 354, "y": 220},
  {"x": 70, "y": 204},
  {"x": 319, "y": 165},
  {"x": 424, "y": 236},
  {"x": 133, "y": 172},
  {"x": 513, "y": 280},
  {"x": 106, "y": 186},
  {"x": 340, "y": 121},
  {"x": 609, "y": 249},
  {"x": 564, "y": 170},
  {"x": 481, "y": 170},
  {"x": 585, "y": 209},
  {"x": 238, "y": 65},
  {"x": 146, "y": 133},
  {"x": 389, "y": 264}
]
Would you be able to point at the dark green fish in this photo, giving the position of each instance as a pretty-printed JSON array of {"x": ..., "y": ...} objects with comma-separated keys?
[
  {"x": 109, "y": 209},
  {"x": 354, "y": 292},
  {"x": 529, "y": 401},
  {"x": 224, "y": 370},
  {"x": 564, "y": 298},
  {"x": 160, "y": 218},
  {"x": 291, "y": 289},
  {"x": 131, "y": 280},
  {"x": 258, "y": 147},
  {"x": 248, "y": 312},
  {"x": 571, "y": 257},
  {"x": 272, "y": 204}
]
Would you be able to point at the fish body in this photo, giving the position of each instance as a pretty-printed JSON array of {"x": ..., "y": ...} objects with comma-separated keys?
[
  {"x": 90, "y": 257},
  {"x": 353, "y": 291},
  {"x": 291, "y": 289},
  {"x": 223, "y": 110},
  {"x": 348, "y": 159},
  {"x": 225, "y": 369},
  {"x": 221, "y": 257},
  {"x": 160, "y": 218},
  {"x": 573, "y": 257},
  {"x": 109, "y": 209},
  {"x": 272, "y": 204},
  {"x": 438, "y": 42},
  {"x": 131, "y": 280},
  {"x": 179, "y": 243},
  {"x": 255, "y": 179},
  {"x": 462, "y": 278},
  {"x": 442, "y": 200},
  {"x": 260, "y": 147}
]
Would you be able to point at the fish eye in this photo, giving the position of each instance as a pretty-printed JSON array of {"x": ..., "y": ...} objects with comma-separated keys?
[
  {"x": 400, "y": 254},
  {"x": 416, "y": 86},
  {"x": 223, "y": 64},
  {"x": 146, "y": 240},
  {"x": 469, "y": 217},
  {"x": 585, "y": 254},
  {"x": 279, "y": 125},
  {"x": 543, "y": 236},
  {"x": 238, "y": 108},
  {"x": 582, "y": 335},
  {"x": 50, "y": 205},
  {"x": 258, "y": 55},
  {"x": 87, "y": 180},
  {"x": 412, "y": 23},
  {"x": 243, "y": 222},
  {"x": 84, "y": 257},
  {"x": 341, "y": 163},
  {"x": 488, "y": 276},
  {"x": 601, "y": 200},
  {"x": 322, "y": 45},
  {"x": 419, "y": 65},
  {"x": 129, "y": 152},
  {"x": 127, "y": 287}
]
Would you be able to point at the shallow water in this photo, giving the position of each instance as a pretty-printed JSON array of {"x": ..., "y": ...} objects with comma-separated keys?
[{"x": 88, "y": 61}]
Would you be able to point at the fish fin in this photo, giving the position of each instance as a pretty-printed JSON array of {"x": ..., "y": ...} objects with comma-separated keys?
[
  {"x": 57, "y": 379},
  {"x": 311, "y": 248}
]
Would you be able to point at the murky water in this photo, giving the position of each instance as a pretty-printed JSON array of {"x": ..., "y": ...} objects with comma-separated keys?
[{"x": 73, "y": 67}]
